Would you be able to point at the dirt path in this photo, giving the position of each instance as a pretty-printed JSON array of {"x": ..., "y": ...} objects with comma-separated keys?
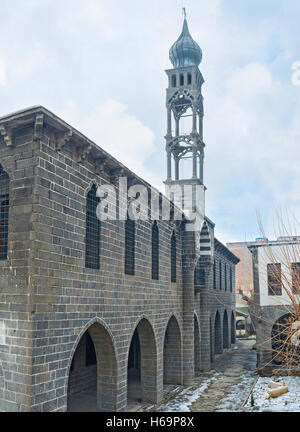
[{"x": 225, "y": 387}]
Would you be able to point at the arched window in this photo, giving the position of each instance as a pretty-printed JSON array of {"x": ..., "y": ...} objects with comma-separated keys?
[
  {"x": 173, "y": 257},
  {"x": 4, "y": 210},
  {"x": 225, "y": 276},
  {"x": 189, "y": 79},
  {"x": 155, "y": 251},
  {"x": 129, "y": 245},
  {"x": 220, "y": 275},
  {"x": 92, "y": 240},
  {"x": 181, "y": 79},
  {"x": 173, "y": 80}
]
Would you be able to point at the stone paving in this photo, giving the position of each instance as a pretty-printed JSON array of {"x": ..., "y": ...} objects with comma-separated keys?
[{"x": 224, "y": 388}]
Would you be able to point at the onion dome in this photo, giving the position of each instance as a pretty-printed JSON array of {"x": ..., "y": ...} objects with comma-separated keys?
[{"x": 185, "y": 51}]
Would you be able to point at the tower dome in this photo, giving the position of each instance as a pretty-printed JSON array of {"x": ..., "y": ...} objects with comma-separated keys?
[{"x": 185, "y": 51}]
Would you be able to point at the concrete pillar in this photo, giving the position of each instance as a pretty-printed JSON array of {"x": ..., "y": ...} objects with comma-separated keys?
[
  {"x": 194, "y": 119},
  {"x": 176, "y": 168},
  {"x": 201, "y": 162},
  {"x": 177, "y": 127},
  {"x": 169, "y": 122},
  {"x": 169, "y": 165},
  {"x": 201, "y": 127},
  {"x": 194, "y": 164}
]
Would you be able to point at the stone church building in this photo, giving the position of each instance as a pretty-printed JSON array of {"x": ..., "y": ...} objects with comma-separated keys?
[{"x": 105, "y": 311}]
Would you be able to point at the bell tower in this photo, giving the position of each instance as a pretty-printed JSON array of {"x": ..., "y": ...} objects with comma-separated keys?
[{"x": 184, "y": 138}]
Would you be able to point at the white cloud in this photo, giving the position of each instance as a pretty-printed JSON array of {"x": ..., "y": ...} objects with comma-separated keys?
[
  {"x": 117, "y": 131},
  {"x": 2, "y": 72},
  {"x": 102, "y": 18},
  {"x": 111, "y": 51},
  {"x": 259, "y": 144},
  {"x": 33, "y": 61}
]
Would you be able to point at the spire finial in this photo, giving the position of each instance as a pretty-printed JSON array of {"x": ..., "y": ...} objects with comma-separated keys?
[{"x": 184, "y": 12}]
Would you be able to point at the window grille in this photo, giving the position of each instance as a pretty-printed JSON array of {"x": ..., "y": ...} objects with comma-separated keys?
[
  {"x": 274, "y": 279},
  {"x": 296, "y": 278},
  {"x": 4, "y": 212},
  {"x": 155, "y": 251},
  {"x": 92, "y": 241},
  {"x": 129, "y": 246}
]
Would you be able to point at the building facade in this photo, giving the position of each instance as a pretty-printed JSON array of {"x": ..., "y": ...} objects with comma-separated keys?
[
  {"x": 244, "y": 274},
  {"x": 106, "y": 311},
  {"x": 276, "y": 276}
]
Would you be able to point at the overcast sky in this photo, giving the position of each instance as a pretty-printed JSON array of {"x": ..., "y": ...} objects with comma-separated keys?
[{"x": 100, "y": 66}]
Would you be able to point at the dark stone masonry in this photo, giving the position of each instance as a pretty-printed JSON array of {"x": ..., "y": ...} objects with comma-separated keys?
[{"x": 116, "y": 308}]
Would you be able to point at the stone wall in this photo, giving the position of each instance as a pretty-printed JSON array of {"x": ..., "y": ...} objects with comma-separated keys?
[
  {"x": 49, "y": 299},
  {"x": 16, "y": 301}
]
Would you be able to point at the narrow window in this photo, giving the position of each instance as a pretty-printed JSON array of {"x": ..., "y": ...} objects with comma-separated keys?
[
  {"x": 274, "y": 279},
  {"x": 129, "y": 246},
  {"x": 231, "y": 280},
  {"x": 173, "y": 80},
  {"x": 215, "y": 279},
  {"x": 92, "y": 240},
  {"x": 173, "y": 258},
  {"x": 225, "y": 276},
  {"x": 181, "y": 79},
  {"x": 155, "y": 252},
  {"x": 4, "y": 211},
  {"x": 220, "y": 275},
  {"x": 189, "y": 79},
  {"x": 296, "y": 278}
]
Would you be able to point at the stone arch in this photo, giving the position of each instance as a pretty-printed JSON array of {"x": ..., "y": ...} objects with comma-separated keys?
[
  {"x": 218, "y": 334},
  {"x": 92, "y": 183},
  {"x": 172, "y": 353},
  {"x": 197, "y": 343},
  {"x": 232, "y": 327},
  {"x": 145, "y": 383},
  {"x": 205, "y": 240},
  {"x": 284, "y": 352},
  {"x": 106, "y": 370},
  {"x": 226, "y": 343}
]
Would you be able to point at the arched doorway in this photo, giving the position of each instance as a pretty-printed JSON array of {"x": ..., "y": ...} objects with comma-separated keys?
[
  {"x": 232, "y": 327},
  {"x": 218, "y": 335},
  {"x": 197, "y": 352},
  {"x": 142, "y": 365},
  {"x": 93, "y": 372},
  {"x": 172, "y": 353},
  {"x": 284, "y": 352},
  {"x": 226, "y": 343}
]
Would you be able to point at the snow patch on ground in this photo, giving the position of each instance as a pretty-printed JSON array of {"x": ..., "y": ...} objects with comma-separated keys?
[
  {"x": 288, "y": 402},
  {"x": 188, "y": 396},
  {"x": 238, "y": 393}
]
